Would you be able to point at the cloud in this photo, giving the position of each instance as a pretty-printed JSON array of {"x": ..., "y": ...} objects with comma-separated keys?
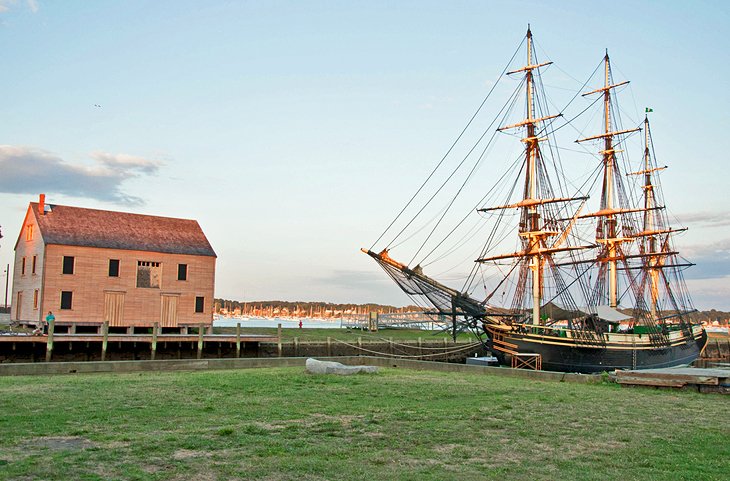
[
  {"x": 27, "y": 170},
  {"x": 121, "y": 162},
  {"x": 712, "y": 260},
  {"x": 710, "y": 293},
  {"x": 6, "y": 5},
  {"x": 353, "y": 279},
  {"x": 707, "y": 219}
]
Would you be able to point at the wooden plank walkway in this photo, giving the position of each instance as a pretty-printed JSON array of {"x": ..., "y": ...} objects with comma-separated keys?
[
  {"x": 701, "y": 379},
  {"x": 137, "y": 338},
  {"x": 82, "y": 342}
]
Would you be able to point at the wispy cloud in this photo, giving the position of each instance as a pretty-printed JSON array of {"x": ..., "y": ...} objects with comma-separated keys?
[
  {"x": 27, "y": 170},
  {"x": 713, "y": 260},
  {"x": 352, "y": 278},
  {"x": 124, "y": 162},
  {"x": 6, "y": 5},
  {"x": 707, "y": 219}
]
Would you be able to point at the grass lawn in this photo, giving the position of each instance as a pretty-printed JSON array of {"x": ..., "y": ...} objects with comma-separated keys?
[
  {"x": 348, "y": 335},
  {"x": 282, "y": 424}
]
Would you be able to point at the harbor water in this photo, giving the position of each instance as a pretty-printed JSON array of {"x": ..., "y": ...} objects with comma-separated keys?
[{"x": 275, "y": 321}]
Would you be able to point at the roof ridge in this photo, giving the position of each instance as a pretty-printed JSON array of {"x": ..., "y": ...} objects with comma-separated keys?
[
  {"x": 112, "y": 211},
  {"x": 80, "y": 226}
]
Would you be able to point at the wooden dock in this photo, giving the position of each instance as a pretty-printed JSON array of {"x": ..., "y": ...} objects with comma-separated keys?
[
  {"x": 701, "y": 379},
  {"x": 100, "y": 346}
]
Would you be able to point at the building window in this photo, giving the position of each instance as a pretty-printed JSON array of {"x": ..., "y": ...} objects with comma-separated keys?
[
  {"x": 148, "y": 274},
  {"x": 29, "y": 232},
  {"x": 68, "y": 264},
  {"x": 35, "y": 259},
  {"x": 66, "y": 299},
  {"x": 113, "y": 267},
  {"x": 199, "y": 303},
  {"x": 22, "y": 267},
  {"x": 182, "y": 272},
  {"x": 35, "y": 299}
]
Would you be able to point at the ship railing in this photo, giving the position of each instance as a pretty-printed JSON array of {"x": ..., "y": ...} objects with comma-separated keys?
[{"x": 582, "y": 336}]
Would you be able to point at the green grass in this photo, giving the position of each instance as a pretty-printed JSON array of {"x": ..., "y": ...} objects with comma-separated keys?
[
  {"x": 349, "y": 335},
  {"x": 282, "y": 424}
]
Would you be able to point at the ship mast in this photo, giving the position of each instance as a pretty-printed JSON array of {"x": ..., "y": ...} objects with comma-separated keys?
[
  {"x": 609, "y": 161},
  {"x": 656, "y": 247},
  {"x": 649, "y": 224},
  {"x": 537, "y": 263},
  {"x": 607, "y": 228},
  {"x": 536, "y": 250}
]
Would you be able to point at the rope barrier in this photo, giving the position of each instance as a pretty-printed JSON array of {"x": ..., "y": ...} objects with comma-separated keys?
[{"x": 403, "y": 356}]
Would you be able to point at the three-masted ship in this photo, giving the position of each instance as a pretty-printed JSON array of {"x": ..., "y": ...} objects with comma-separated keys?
[{"x": 593, "y": 282}]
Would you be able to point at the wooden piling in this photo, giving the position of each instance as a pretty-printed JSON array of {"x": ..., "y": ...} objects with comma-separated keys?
[
  {"x": 359, "y": 342},
  {"x": 278, "y": 334},
  {"x": 201, "y": 330},
  {"x": 155, "y": 328},
  {"x": 329, "y": 346},
  {"x": 49, "y": 341},
  {"x": 296, "y": 346},
  {"x": 420, "y": 346},
  {"x": 238, "y": 339},
  {"x": 104, "y": 339}
]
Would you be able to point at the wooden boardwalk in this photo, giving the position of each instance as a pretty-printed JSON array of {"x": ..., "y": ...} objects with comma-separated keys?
[
  {"x": 5, "y": 338},
  {"x": 701, "y": 379},
  {"x": 10, "y": 344}
]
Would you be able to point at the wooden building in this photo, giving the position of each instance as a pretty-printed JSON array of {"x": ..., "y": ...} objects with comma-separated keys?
[{"x": 88, "y": 266}]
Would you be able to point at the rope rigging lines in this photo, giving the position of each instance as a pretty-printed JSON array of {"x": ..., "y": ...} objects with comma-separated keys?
[{"x": 561, "y": 254}]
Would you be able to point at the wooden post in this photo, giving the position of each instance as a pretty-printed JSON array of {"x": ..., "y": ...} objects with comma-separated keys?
[
  {"x": 278, "y": 333},
  {"x": 104, "y": 339},
  {"x": 392, "y": 348},
  {"x": 420, "y": 346},
  {"x": 201, "y": 329},
  {"x": 329, "y": 346},
  {"x": 49, "y": 341},
  {"x": 359, "y": 343},
  {"x": 155, "y": 328},
  {"x": 238, "y": 339},
  {"x": 296, "y": 346}
]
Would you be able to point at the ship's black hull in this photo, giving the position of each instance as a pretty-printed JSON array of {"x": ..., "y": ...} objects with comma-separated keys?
[{"x": 566, "y": 357}]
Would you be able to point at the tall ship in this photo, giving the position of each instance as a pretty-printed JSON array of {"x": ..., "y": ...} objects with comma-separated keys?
[{"x": 566, "y": 256}]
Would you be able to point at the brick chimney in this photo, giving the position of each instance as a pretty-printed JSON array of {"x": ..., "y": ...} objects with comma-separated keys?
[{"x": 42, "y": 204}]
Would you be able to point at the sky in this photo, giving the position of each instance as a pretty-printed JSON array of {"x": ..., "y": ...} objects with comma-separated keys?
[{"x": 293, "y": 131}]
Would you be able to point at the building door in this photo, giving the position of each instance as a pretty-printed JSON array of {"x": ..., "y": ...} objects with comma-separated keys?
[
  {"x": 168, "y": 314},
  {"x": 114, "y": 308},
  {"x": 19, "y": 304}
]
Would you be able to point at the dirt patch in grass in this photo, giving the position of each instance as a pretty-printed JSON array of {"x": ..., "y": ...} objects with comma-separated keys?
[
  {"x": 446, "y": 448},
  {"x": 198, "y": 476},
  {"x": 345, "y": 419},
  {"x": 61, "y": 443},
  {"x": 189, "y": 453}
]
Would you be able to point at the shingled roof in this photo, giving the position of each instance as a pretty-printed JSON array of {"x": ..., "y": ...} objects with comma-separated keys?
[{"x": 75, "y": 226}]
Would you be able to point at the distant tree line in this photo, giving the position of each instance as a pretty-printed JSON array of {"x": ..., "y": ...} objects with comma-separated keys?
[
  {"x": 315, "y": 306},
  {"x": 320, "y": 306}
]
